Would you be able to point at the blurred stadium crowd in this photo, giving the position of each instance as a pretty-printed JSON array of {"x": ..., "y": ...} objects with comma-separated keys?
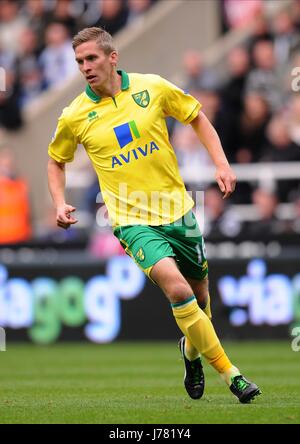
[
  {"x": 35, "y": 43},
  {"x": 256, "y": 114},
  {"x": 250, "y": 102}
]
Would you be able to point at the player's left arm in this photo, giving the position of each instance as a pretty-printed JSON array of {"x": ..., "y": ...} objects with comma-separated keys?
[{"x": 208, "y": 136}]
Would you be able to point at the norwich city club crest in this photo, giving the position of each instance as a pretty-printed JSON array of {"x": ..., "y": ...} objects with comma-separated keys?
[
  {"x": 142, "y": 98},
  {"x": 140, "y": 255}
]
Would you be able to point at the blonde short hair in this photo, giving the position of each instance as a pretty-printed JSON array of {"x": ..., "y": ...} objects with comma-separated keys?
[{"x": 102, "y": 38}]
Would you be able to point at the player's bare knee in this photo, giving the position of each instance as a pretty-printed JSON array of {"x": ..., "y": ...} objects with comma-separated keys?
[{"x": 178, "y": 291}]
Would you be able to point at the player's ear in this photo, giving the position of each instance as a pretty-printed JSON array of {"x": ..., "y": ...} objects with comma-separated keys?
[{"x": 114, "y": 56}]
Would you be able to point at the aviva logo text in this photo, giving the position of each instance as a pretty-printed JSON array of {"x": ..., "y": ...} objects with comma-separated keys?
[
  {"x": 126, "y": 133},
  {"x": 135, "y": 153}
]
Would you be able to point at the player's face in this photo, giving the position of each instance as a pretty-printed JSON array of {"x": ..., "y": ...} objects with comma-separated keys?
[{"x": 94, "y": 64}]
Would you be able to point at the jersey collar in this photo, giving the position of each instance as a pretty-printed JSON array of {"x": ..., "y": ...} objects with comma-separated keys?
[{"x": 124, "y": 86}]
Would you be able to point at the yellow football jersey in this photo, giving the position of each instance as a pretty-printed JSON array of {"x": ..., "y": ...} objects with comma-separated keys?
[{"x": 126, "y": 138}]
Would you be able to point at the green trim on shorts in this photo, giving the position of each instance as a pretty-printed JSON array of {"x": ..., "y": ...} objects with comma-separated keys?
[{"x": 182, "y": 239}]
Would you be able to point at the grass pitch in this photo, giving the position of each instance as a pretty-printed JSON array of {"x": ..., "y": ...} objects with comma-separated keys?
[{"x": 141, "y": 383}]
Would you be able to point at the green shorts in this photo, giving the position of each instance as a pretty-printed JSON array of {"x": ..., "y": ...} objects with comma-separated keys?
[{"x": 182, "y": 239}]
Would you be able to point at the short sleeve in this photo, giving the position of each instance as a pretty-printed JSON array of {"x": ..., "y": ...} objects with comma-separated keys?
[
  {"x": 64, "y": 143},
  {"x": 178, "y": 104}
]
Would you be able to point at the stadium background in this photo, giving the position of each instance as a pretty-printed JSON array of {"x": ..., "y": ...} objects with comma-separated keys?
[
  {"x": 239, "y": 58},
  {"x": 63, "y": 291}
]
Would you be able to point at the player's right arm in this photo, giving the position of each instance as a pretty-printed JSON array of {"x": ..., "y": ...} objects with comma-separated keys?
[
  {"x": 61, "y": 150},
  {"x": 57, "y": 182}
]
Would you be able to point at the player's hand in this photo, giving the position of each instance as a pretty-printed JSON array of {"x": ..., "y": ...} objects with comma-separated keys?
[
  {"x": 64, "y": 219},
  {"x": 226, "y": 180}
]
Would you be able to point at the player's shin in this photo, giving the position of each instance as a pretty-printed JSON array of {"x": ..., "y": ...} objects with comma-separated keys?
[
  {"x": 196, "y": 326},
  {"x": 190, "y": 350}
]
